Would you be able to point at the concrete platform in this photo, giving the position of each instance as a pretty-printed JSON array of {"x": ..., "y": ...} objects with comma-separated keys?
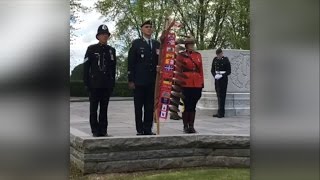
[
  {"x": 219, "y": 142},
  {"x": 121, "y": 121}
]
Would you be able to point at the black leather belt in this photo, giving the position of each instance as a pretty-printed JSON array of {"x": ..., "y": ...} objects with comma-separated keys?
[{"x": 191, "y": 70}]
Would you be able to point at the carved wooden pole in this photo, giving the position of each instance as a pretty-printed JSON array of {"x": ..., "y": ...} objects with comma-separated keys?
[{"x": 167, "y": 28}]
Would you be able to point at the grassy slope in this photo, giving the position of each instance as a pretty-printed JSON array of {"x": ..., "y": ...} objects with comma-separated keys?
[{"x": 180, "y": 174}]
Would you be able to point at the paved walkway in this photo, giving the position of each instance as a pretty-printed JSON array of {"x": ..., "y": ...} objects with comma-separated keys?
[{"x": 121, "y": 121}]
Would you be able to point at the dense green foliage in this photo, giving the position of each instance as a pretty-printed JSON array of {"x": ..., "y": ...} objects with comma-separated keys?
[
  {"x": 77, "y": 89},
  {"x": 214, "y": 23}
]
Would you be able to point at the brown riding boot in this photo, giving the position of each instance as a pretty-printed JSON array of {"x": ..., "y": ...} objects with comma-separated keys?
[
  {"x": 192, "y": 116},
  {"x": 185, "y": 116}
]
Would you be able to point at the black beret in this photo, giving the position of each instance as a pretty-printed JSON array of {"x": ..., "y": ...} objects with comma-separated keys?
[
  {"x": 146, "y": 22},
  {"x": 218, "y": 51}
]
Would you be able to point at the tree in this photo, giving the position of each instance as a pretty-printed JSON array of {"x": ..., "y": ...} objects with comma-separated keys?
[
  {"x": 213, "y": 23},
  {"x": 205, "y": 20},
  {"x": 129, "y": 15},
  {"x": 238, "y": 24},
  {"x": 122, "y": 68},
  {"x": 75, "y": 7},
  {"x": 77, "y": 72}
]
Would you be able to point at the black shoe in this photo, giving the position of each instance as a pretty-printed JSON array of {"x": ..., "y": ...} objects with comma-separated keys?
[
  {"x": 95, "y": 134},
  {"x": 103, "y": 134},
  {"x": 217, "y": 115},
  {"x": 139, "y": 133},
  {"x": 185, "y": 129},
  {"x": 149, "y": 133},
  {"x": 192, "y": 130}
]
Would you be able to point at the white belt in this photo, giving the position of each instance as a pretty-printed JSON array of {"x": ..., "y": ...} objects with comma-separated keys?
[{"x": 220, "y": 72}]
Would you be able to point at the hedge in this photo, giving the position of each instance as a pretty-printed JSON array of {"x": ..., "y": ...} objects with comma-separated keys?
[{"x": 120, "y": 90}]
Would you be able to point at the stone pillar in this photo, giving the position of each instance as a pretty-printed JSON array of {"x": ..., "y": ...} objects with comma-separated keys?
[{"x": 238, "y": 92}]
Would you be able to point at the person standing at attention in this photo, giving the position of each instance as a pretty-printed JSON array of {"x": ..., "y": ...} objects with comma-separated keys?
[
  {"x": 220, "y": 70},
  {"x": 194, "y": 83},
  {"x": 99, "y": 79},
  {"x": 142, "y": 63}
]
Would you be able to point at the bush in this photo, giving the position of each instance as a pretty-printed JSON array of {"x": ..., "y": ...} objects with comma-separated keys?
[
  {"x": 120, "y": 90},
  {"x": 77, "y": 89}
]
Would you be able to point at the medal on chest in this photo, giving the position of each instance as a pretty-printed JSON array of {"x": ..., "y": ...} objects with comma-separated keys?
[
  {"x": 111, "y": 55},
  {"x": 142, "y": 53}
]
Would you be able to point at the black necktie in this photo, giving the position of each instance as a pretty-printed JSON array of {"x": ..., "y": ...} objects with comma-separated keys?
[{"x": 149, "y": 42}]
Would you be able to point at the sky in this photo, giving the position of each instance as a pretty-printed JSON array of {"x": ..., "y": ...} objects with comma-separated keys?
[{"x": 86, "y": 33}]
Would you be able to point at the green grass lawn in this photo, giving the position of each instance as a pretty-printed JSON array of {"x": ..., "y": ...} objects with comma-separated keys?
[{"x": 180, "y": 174}]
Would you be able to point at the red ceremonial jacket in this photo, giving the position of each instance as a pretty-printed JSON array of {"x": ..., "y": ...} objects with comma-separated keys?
[{"x": 193, "y": 69}]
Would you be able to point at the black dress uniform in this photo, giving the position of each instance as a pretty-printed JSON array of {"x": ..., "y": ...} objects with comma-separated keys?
[
  {"x": 99, "y": 78},
  {"x": 221, "y": 84},
  {"x": 142, "y": 63}
]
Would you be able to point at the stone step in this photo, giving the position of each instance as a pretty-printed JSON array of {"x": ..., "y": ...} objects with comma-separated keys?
[{"x": 139, "y": 153}]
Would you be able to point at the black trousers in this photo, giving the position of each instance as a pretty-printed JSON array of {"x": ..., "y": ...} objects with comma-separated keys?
[
  {"x": 221, "y": 90},
  {"x": 99, "y": 96},
  {"x": 144, "y": 99},
  {"x": 192, "y": 96}
]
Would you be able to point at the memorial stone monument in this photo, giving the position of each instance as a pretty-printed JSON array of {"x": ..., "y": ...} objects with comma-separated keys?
[{"x": 238, "y": 92}]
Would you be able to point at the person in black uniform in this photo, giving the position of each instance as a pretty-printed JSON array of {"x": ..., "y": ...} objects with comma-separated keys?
[
  {"x": 220, "y": 70},
  {"x": 99, "y": 79},
  {"x": 142, "y": 63}
]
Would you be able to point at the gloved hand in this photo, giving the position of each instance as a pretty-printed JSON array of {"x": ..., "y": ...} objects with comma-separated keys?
[
  {"x": 158, "y": 68},
  {"x": 218, "y": 76}
]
